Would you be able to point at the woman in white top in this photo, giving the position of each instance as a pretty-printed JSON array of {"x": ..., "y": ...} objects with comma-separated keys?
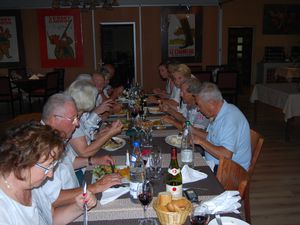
[{"x": 28, "y": 156}]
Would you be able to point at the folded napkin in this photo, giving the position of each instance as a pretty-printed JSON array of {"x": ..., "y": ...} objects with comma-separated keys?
[
  {"x": 40, "y": 75},
  {"x": 34, "y": 77},
  {"x": 112, "y": 193},
  {"x": 190, "y": 175},
  {"x": 226, "y": 202}
]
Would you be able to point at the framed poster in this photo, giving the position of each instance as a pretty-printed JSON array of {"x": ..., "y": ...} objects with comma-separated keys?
[
  {"x": 181, "y": 31},
  {"x": 60, "y": 37},
  {"x": 11, "y": 40},
  {"x": 281, "y": 19}
]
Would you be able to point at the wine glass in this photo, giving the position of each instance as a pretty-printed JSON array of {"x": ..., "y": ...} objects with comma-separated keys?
[
  {"x": 145, "y": 195},
  {"x": 199, "y": 218}
]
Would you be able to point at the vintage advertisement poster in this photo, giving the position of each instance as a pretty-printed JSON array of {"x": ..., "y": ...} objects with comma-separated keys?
[
  {"x": 181, "y": 35},
  {"x": 60, "y": 36}
]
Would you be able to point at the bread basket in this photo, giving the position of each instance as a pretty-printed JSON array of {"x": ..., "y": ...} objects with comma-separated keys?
[{"x": 172, "y": 218}]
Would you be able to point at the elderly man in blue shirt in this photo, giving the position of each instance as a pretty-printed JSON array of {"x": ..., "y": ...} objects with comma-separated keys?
[{"x": 228, "y": 133}]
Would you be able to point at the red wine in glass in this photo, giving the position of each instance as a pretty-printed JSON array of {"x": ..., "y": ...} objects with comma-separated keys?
[
  {"x": 145, "y": 198},
  {"x": 134, "y": 113}
]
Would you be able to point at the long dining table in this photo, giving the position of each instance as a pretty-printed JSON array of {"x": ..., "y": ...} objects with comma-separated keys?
[{"x": 123, "y": 212}]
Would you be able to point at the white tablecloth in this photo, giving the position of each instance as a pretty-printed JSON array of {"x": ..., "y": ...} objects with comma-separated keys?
[{"x": 281, "y": 95}]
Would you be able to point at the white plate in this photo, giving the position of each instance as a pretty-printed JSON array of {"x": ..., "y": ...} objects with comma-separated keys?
[
  {"x": 226, "y": 220},
  {"x": 174, "y": 140},
  {"x": 114, "y": 148},
  {"x": 154, "y": 110}
]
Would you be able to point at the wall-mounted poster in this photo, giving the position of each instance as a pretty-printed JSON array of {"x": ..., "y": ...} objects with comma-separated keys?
[
  {"x": 11, "y": 42},
  {"x": 60, "y": 37},
  {"x": 181, "y": 34},
  {"x": 281, "y": 19}
]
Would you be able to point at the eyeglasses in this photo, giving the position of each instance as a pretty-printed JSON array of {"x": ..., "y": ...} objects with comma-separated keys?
[
  {"x": 74, "y": 120},
  {"x": 47, "y": 169}
]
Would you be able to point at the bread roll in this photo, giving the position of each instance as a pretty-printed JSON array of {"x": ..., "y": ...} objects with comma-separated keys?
[{"x": 164, "y": 198}]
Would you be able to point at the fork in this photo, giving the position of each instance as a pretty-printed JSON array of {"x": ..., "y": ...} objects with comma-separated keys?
[{"x": 219, "y": 220}]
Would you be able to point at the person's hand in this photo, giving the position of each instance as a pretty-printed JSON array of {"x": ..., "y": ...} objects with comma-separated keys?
[
  {"x": 117, "y": 108},
  {"x": 102, "y": 160},
  {"x": 104, "y": 107},
  {"x": 89, "y": 199},
  {"x": 164, "y": 107},
  {"x": 151, "y": 99},
  {"x": 106, "y": 182},
  {"x": 167, "y": 119},
  {"x": 157, "y": 91},
  {"x": 116, "y": 128}
]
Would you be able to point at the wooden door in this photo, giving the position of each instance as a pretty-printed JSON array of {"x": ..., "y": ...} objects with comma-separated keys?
[{"x": 240, "y": 52}]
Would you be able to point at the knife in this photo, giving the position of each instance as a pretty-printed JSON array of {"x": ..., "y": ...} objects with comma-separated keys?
[
  {"x": 85, "y": 209},
  {"x": 219, "y": 220}
]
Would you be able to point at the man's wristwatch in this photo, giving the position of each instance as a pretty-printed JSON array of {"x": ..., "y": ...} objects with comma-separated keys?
[{"x": 90, "y": 161}]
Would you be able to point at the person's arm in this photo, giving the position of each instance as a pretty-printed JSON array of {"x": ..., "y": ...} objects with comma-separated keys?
[
  {"x": 172, "y": 121},
  {"x": 216, "y": 151},
  {"x": 68, "y": 196},
  {"x": 66, "y": 214},
  {"x": 81, "y": 147}
]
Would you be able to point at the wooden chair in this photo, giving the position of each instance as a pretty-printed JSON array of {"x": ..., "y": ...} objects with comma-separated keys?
[
  {"x": 204, "y": 76},
  {"x": 256, "y": 145},
  {"x": 61, "y": 79},
  {"x": 227, "y": 82},
  {"x": 234, "y": 177},
  {"x": 8, "y": 95},
  {"x": 51, "y": 87}
]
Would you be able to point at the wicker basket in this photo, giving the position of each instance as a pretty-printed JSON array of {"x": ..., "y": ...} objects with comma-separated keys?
[{"x": 172, "y": 218}]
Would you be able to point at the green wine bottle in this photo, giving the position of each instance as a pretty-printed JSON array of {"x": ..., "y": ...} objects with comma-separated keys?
[{"x": 174, "y": 177}]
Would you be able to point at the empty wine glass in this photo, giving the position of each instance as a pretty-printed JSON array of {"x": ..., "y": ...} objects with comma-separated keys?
[
  {"x": 155, "y": 161},
  {"x": 145, "y": 195}
]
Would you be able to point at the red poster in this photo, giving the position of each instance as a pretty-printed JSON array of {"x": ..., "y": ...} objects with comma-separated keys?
[{"x": 60, "y": 38}]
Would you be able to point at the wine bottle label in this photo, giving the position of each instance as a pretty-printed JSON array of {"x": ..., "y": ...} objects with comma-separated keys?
[
  {"x": 174, "y": 171},
  {"x": 186, "y": 155},
  {"x": 176, "y": 191}
]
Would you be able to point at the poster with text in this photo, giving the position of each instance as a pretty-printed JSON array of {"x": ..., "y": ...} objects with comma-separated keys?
[{"x": 60, "y": 38}]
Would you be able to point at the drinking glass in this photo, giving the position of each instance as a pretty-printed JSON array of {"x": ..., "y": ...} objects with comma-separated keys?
[
  {"x": 199, "y": 219},
  {"x": 155, "y": 162},
  {"x": 145, "y": 195}
]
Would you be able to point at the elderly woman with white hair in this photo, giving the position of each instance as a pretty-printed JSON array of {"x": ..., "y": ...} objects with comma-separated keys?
[{"x": 228, "y": 133}]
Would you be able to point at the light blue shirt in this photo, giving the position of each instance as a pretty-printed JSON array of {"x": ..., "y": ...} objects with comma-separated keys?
[{"x": 231, "y": 130}]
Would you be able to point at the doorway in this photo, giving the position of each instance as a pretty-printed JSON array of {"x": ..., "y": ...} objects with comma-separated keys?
[
  {"x": 118, "y": 47},
  {"x": 240, "y": 53}
]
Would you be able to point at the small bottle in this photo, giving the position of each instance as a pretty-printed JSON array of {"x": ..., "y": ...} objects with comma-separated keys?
[
  {"x": 136, "y": 171},
  {"x": 174, "y": 177},
  {"x": 187, "y": 146}
]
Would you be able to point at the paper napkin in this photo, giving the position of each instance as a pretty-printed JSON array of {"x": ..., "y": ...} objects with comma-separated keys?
[
  {"x": 190, "y": 175},
  {"x": 113, "y": 193}
]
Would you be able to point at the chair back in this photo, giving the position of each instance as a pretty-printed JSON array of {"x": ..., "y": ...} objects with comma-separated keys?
[
  {"x": 256, "y": 145},
  {"x": 232, "y": 176},
  {"x": 61, "y": 79},
  {"x": 227, "y": 79},
  {"x": 52, "y": 82},
  {"x": 5, "y": 87},
  {"x": 204, "y": 76}
]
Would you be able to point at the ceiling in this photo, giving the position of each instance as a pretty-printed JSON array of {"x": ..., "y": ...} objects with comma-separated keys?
[{"x": 29, "y": 4}]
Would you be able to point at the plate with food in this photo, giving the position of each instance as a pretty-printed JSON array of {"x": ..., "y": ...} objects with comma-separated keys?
[
  {"x": 226, "y": 220},
  {"x": 174, "y": 140},
  {"x": 158, "y": 124},
  {"x": 100, "y": 171},
  {"x": 114, "y": 144},
  {"x": 154, "y": 110}
]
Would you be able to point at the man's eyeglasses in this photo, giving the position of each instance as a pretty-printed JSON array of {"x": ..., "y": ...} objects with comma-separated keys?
[
  {"x": 47, "y": 169},
  {"x": 73, "y": 120}
]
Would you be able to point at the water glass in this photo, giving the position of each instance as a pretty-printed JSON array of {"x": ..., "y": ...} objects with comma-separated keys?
[{"x": 155, "y": 161}]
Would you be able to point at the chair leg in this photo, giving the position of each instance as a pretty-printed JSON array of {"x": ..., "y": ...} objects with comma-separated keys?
[{"x": 247, "y": 206}]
